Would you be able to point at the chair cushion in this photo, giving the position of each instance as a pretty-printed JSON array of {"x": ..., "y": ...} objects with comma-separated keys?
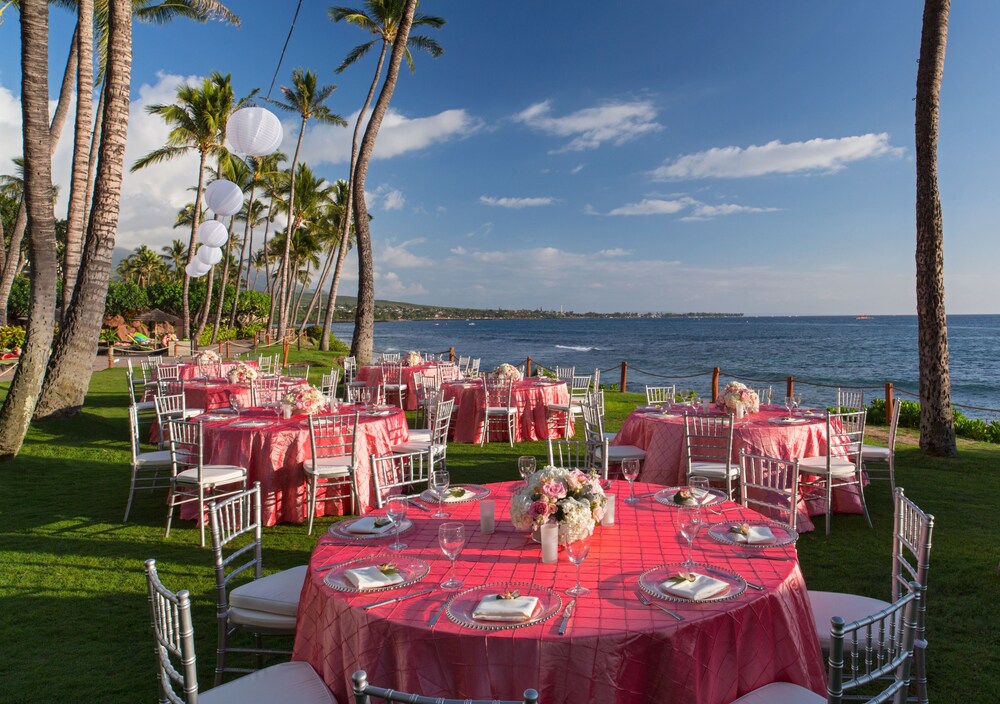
[
  {"x": 262, "y": 621},
  {"x": 192, "y": 412},
  {"x": 850, "y": 607},
  {"x": 289, "y": 683},
  {"x": 420, "y": 435},
  {"x": 713, "y": 470},
  {"x": 145, "y": 405},
  {"x": 617, "y": 453},
  {"x": 501, "y": 411},
  {"x": 817, "y": 465},
  {"x": 875, "y": 452},
  {"x": 213, "y": 474},
  {"x": 158, "y": 457},
  {"x": 781, "y": 693},
  {"x": 276, "y": 593},
  {"x": 329, "y": 466},
  {"x": 417, "y": 446}
]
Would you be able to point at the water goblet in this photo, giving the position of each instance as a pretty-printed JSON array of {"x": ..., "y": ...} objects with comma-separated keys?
[
  {"x": 699, "y": 490},
  {"x": 526, "y": 467},
  {"x": 577, "y": 551},
  {"x": 395, "y": 511},
  {"x": 789, "y": 405},
  {"x": 440, "y": 480},
  {"x": 690, "y": 523},
  {"x": 451, "y": 538},
  {"x": 796, "y": 400},
  {"x": 630, "y": 470},
  {"x": 236, "y": 404}
]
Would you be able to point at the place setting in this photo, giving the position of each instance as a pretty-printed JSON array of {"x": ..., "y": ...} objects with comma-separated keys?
[{"x": 753, "y": 534}]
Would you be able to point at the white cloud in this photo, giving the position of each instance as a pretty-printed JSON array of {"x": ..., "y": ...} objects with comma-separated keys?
[
  {"x": 394, "y": 200},
  {"x": 589, "y": 128},
  {"x": 652, "y": 206},
  {"x": 516, "y": 202},
  {"x": 703, "y": 211},
  {"x": 615, "y": 252},
  {"x": 329, "y": 144},
  {"x": 10, "y": 130},
  {"x": 775, "y": 157},
  {"x": 391, "y": 285},
  {"x": 399, "y": 256},
  {"x": 695, "y": 209}
]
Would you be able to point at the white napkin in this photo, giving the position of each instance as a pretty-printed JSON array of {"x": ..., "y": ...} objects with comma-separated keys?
[
  {"x": 367, "y": 525},
  {"x": 756, "y": 535},
  {"x": 697, "y": 495},
  {"x": 449, "y": 498},
  {"x": 372, "y": 577},
  {"x": 703, "y": 587},
  {"x": 493, "y": 609}
]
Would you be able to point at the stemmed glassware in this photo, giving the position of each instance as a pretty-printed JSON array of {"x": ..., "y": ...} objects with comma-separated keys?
[
  {"x": 789, "y": 405},
  {"x": 699, "y": 489},
  {"x": 796, "y": 400},
  {"x": 440, "y": 481},
  {"x": 630, "y": 470},
  {"x": 236, "y": 404},
  {"x": 395, "y": 511},
  {"x": 526, "y": 466},
  {"x": 690, "y": 523},
  {"x": 451, "y": 538},
  {"x": 577, "y": 551}
]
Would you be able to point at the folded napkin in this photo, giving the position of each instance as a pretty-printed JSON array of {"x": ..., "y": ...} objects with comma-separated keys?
[
  {"x": 703, "y": 587},
  {"x": 493, "y": 609},
  {"x": 453, "y": 494},
  {"x": 367, "y": 526},
  {"x": 697, "y": 496},
  {"x": 372, "y": 577},
  {"x": 756, "y": 535}
]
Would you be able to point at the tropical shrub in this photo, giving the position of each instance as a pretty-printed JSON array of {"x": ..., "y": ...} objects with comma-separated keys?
[
  {"x": 125, "y": 298},
  {"x": 225, "y": 333},
  {"x": 249, "y": 331},
  {"x": 20, "y": 296},
  {"x": 315, "y": 333},
  {"x": 11, "y": 336},
  {"x": 168, "y": 296}
]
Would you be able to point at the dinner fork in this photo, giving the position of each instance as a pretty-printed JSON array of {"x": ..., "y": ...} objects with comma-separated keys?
[{"x": 645, "y": 600}]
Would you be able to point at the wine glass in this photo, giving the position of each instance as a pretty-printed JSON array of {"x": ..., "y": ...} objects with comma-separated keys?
[
  {"x": 451, "y": 538},
  {"x": 699, "y": 490},
  {"x": 690, "y": 523},
  {"x": 395, "y": 511},
  {"x": 236, "y": 404},
  {"x": 630, "y": 470},
  {"x": 577, "y": 551},
  {"x": 526, "y": 466},
  {"x": 789, "y": 405},
  {"x": 440, "y": 480},
  {"x": 796, "y": 400}
]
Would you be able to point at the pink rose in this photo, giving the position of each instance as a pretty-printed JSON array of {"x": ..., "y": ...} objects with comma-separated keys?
[
  {"x": 539, "y": 508},
  {"x": 554, "y": 490},
  {"x": 599, "y": 514}
]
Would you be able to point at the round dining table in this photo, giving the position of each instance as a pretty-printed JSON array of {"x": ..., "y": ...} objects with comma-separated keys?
[
  {"x": 614, "y": 649},
  {"x": 531, "y": 397},
  {"x": 660, "y": 432},
  {"x": 374, "y": 375},
  {"x": 273, "y": 449}
]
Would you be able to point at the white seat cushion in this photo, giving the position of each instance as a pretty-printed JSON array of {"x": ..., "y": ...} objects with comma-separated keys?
[
  {"x": 276, "y": 593},
  {"x": 192, "y": 412},
  {"x": 850, "y": 607},
  {"x": 213, "y": 474},
  {"x": 713, "y": 470},
  {"x": 781, "y": 693},
  {"x": 329, "y": 466},
  {"x": 417, "y": 446},
  {"x": 839, "y": 467},
  {"x": 558, "y": 407},
  {"x": 875, "y": 452},
  {"x": 145, "y": 405},
  {"x": 609, "y": 436},
  {"x": 262, "y": 621},
  {"x": 420, "y": 435},
  {"x": 501, "y": 411},
  {"x": 289, "y": 683},
  {"x": 617, "y": 453},
  {"x": 158, "y": 457}
]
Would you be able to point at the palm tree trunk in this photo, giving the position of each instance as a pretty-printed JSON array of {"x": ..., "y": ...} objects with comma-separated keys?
[
  {"x": 10, "y": 268},
  {"x": 15, "y": 416},
  {"x": 225, "y": 282},
  {"x": 331, "y": 302},
  {"x": 267, "y": 261},
  {"x": 203, "y": 313},
  {"x": 243, "y": 253},
  {"x": 81, "y": 150},
  {"x": 298, "y": 303},
  {"x": 186, "y": 315},
  {"x": 937, "y": 426},
  {"x": 364, "y": 318},
  {"x": 285, "y": 288},
  {"x": 319, "y": 286},
  {"x": 95, "y": 141}
]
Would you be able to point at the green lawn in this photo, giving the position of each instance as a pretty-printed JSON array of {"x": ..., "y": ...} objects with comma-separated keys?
[{"x": 73, "y": 613}]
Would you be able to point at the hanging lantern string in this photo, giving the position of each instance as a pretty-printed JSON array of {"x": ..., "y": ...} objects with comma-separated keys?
[{"x": 282, "y": 57}]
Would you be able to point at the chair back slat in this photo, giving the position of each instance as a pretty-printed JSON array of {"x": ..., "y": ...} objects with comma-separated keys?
[
  {"x": 296, "y": 371},
  {"x": 565, "y": 373},
  {"x": 770, "y": 485},
  {"x": 660, "y": 394},
  {"x": 334, "y": 435},
  {"x": 850, "y": 400},
  {"x": 173, "y": 634},
  {"x": 185, "y": 445},
  {"x": 708, "y": 438},
  {"x": 265, "y": 391},
  {"x": 395, "y": 471},
  {"x": 236, "y": 516}
]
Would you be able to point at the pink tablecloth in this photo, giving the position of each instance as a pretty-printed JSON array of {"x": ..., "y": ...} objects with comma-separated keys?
[
  {"x": 662, "y": 437},
  {"x": 189, "y": 370},
  {"x": 617, "y": 649},
  {"x": 273, "y": 455},
  {"x": 373, "y": 376},
  {"x": 214, "y": 393},
  {"x": 531, "y": 396}
]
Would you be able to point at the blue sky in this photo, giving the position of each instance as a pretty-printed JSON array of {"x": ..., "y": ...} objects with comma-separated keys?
[{"x": 670, "y": 156}]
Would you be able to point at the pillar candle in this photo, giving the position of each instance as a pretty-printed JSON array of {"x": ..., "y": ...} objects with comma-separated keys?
[
  {"x": 550, "y": 542},
  {"x": 486, "y": 517},
  {"x": 609, "y": 510}
]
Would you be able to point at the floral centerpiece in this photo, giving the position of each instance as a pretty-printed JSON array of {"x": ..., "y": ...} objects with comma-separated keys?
[
  {"x": 572, "y": 498},
  {"x": 412, "y": 359},
  {"x": 507, "y": 371},
  {"x": 206, "y": 357},
  {"x": 735, "y": 395},
  {"x": 242, "y": 373},
  {"x": 305, "y": 399}
]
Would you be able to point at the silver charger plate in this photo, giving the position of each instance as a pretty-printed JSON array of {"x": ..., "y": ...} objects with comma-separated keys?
[
  {"x": 650, "y": 581},
  {"x": 783, "y": 535},
  {"x": 666, "y": 497},
  {"x": 461, "y": 606},
  {"x": 340, "y": 530},
  {"x": 410, "y": 569},
  {"x": 479, "y": 492},
  {"x": 788, "y": 420}
]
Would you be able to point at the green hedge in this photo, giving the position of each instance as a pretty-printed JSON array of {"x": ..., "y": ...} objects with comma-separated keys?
[{"x": 909, "y": 417}]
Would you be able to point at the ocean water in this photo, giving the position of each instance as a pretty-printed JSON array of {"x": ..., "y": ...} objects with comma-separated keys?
[{"x": 831, "y": 350}]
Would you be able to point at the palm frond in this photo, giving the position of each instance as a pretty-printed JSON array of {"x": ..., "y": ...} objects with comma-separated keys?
[
  {"x": 158, "y": 156},
  {"x": 353, "y": 55}
]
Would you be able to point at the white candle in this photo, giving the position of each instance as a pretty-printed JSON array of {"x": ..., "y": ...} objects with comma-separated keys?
[
  {"x": 706, "y": 405},
  {"x": 486, "y": 518},
  {"x": 550, "y": 542},
  {"x": 609, "y": 511}
]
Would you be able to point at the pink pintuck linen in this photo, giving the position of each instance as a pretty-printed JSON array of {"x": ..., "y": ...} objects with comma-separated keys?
[
  {"x": 531, "y": 397},
  {"x": 373, "y": 375},
  {"x": 617, "y": 650},
  {"x": 662, "y": 437},
  {"x": 273, "y": 455}
]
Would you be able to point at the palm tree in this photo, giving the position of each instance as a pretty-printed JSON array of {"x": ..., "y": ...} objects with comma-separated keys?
[
  {"x": 937, "y": 423},
  {"x": 22, "y": 395},
  {"x": 328, "y": 231},
  {"x": 259, "y": 261},
  {"x": 307, "y": 99},
  {"x": 382, "y": 19},
  {"x": 174, "y": 256},
  {"x": 144, "y": 266}
]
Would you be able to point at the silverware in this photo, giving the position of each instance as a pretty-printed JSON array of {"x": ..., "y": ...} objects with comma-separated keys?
[
  {"x": 437, "y": 614},
  {"x": 567, "y": 612},
  {"x": 719, "y": 512},
  {"x": 413, "y": 502},
  {"x": 645, "y": 600},
  {"x": 398, "y": 598},
  {"x": 720, "y": 573},
  {"x": 759, "y": 556},
  {"x": 647, "y": 495}
]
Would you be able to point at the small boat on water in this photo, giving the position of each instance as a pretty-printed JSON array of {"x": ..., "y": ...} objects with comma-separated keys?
[{"x": 864, "y": 316}]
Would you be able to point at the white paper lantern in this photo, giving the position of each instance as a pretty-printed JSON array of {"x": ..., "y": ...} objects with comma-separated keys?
[
  {"x": 212, "y": 233},
  {"x": 254, "y": 131},
  {"x": 196, "y": 268},
  {"x": 224, "y": 197},
  {"x": 209, "y": 255}
]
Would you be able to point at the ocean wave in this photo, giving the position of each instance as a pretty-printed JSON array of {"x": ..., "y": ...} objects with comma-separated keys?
[{"x": 577, "y": 349}]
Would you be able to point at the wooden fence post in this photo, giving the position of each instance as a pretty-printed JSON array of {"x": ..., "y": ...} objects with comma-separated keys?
[
  {"x": 229, "y": 351},
  {"x": 451, "y": 354},
  {"x": 715, "y": 383},
  {"x": 527, "y": 366},
  {"x": 888, "y": 402},
  {"x": 111, "y": 356},
  {"x": 790, "y": 387},
  {"x": 624, "y": 379},
  {"x": 220, "y": 348},
  {"x": 284, "y": 349}
]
